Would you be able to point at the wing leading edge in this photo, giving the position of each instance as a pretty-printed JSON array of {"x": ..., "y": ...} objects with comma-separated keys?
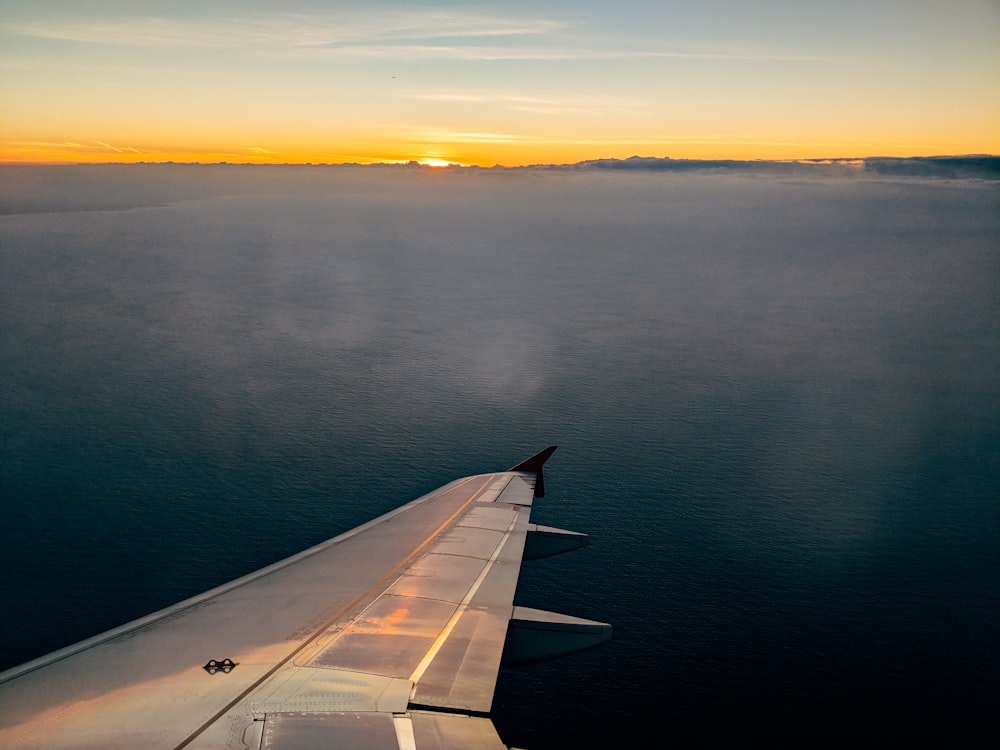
[{"x": 388, "y": 636}]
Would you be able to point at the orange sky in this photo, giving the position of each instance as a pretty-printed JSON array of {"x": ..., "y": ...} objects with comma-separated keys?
[{"x": 510, "y": 83}]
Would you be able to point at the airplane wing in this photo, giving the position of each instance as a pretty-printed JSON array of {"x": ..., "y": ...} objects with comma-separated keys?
[{"x": 388, "y": 636}]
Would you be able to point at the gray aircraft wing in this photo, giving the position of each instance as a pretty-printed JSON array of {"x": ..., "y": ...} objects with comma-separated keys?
[{"x": 388, "y": 636}]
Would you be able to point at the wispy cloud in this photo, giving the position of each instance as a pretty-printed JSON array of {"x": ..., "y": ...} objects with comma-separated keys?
[
  {"x": 555, "y": 104},
  {"x": 452, "y": 136},
  {"x": 290, "y": 31},
  {"x": 467, "y": 52},
  {"x": 381, "y": 35},
  {"x": 68, "y": 149},
  {"x": 430, "y": 25},
  {"x": 19, "y": 145},
  {"x": 443, "y": 135},
  {"x": 119, "y": 149},
  {"x": 714, "y": 139}
]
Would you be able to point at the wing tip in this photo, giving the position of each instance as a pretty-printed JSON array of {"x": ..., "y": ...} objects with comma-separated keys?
[
  {"x": 534, "y": 465},
  {"x": 535, "y": 462}
]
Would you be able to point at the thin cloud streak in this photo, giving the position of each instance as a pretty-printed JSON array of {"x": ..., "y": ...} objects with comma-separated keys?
[
  {"x": 122, "y": 150},
  {"x": 373, "y": 36},
  {"x": 287, "y": 30},
  {"x": 13, "y": 147},
  {"x": 715, "y": 140},
  {"x": 404, "y": 52},
  {"x": 17, "y": 145},
  {"x": 570, "y": 100},
  {"x": 543, "y": 105},
  {"x": 446, "y": 136}
]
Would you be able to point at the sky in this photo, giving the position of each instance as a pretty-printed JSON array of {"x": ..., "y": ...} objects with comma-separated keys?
[{"x": 512, "y": 83}]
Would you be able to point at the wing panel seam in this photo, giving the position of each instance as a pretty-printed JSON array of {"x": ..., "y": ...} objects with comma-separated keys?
[{"x": 450, "y": 626}]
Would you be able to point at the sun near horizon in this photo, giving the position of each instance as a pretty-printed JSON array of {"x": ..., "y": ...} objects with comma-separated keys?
[
  {"x": 554, "y": 153},
  {"x": 512, "y": 84}
]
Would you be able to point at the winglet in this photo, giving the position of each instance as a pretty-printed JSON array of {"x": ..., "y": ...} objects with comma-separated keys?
[{"x": 534, "y": 464}]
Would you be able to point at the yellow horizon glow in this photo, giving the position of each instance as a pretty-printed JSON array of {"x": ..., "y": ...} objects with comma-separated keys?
[
  {"x": 515, "y": 154},
  {"x": 494, "y": 84}
]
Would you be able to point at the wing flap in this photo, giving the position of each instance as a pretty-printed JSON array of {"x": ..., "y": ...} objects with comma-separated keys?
[
  {"x": 435, "y": 731},
  {"x": 329, "y": 690},
  {"x": 462, "y": 673},
  {"x": 368, "y": 731}
]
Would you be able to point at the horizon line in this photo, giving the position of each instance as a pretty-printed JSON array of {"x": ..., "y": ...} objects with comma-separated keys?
[{"x": 437, "y": 165}]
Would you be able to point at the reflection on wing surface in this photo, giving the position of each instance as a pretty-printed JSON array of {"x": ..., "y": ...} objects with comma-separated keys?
[{"x": 390, "y": 635}]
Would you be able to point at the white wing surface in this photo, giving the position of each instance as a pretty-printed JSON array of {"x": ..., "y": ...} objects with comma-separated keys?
[{"x": 388, "y": 636}]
